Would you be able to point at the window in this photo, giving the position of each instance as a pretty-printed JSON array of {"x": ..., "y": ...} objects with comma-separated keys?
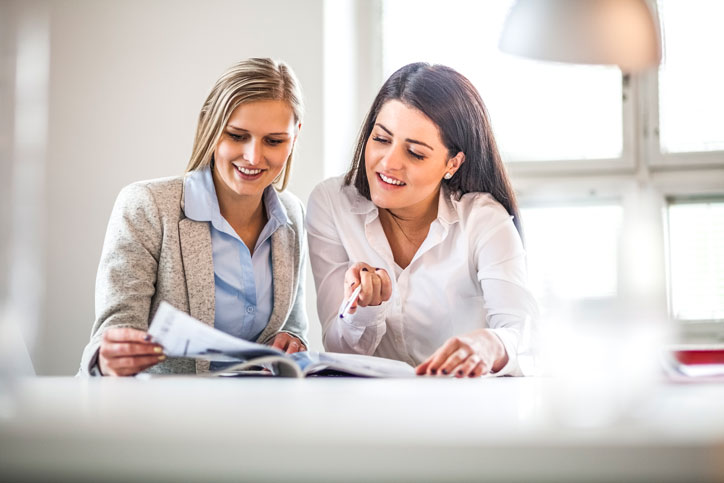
[
  {"x": 696, "y": 259},
  {"x": 572, "y": 251},
  {"x": 691, "y": 78},
  {"x": 567, "y": 113}
]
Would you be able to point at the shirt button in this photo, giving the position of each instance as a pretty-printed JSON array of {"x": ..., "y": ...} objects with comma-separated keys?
[{"x": 250, "y": 309}]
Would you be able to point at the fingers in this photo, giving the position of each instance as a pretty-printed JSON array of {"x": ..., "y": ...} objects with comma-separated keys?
[
  {"x": 385, "y": 284},
  {"x": 288, "y": 343},
  {"x": 458, "y": 357},
  {"x": 125, "y": 351},
  {"x": 126, "y": 334},
  {"x": 376, "y": 286},
  {"x": 280, "y": 342},
  {"x": 128, "y": 366},
  {"x": 441, "y": 355}
]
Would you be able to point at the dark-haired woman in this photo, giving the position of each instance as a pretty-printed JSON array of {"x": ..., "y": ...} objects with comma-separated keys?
[{"x": 426, "y": 222}]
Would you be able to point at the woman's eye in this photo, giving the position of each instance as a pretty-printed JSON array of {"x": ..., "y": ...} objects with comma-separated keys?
[
  {"x": 380, "y": 140},
  {"x": 274, "y": 142},
  {"x": 415, "y": 155},
  {"x": 235, "y": 137}
]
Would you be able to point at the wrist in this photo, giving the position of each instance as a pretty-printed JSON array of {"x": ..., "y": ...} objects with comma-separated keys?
[{"x": 500, "y": 355}]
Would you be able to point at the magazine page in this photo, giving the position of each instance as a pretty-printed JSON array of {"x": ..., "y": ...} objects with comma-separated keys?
[
  {"x": 183, "y": 336},
  {"x": 312, "y": 362}
]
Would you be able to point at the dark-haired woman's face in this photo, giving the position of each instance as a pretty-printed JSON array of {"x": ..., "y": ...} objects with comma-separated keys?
[{"x": 405, "y": 159}]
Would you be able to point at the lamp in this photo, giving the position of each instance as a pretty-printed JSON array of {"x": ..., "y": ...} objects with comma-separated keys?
[{"x": 614, "y": 32}]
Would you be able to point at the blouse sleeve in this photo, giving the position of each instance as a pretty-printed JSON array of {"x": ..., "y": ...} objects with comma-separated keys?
[
  {"x": 362, "y": 332},
  {"x": 510, "y": 307}
]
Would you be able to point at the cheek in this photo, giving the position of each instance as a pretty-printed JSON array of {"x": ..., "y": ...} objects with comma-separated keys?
[{"x": 224, "y": 151}]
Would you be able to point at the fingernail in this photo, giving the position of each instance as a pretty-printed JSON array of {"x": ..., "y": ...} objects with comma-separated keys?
[
  {"x": 365, "y": 270},
  {"x": 460, "y": 373},
  {"x": 433, "y": 371},
  {"x": 352, "y": 284},
  {"x": 147, "y": 337},
  {"x": 161, "y": 358},
  {"x": 444, "y": 371},
  {"x": 157, "y": 350}
]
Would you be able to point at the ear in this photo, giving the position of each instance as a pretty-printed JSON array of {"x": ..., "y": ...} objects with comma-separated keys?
[
  {"x": 299, "y": 128},
  {"x": 455, "y": 162}
]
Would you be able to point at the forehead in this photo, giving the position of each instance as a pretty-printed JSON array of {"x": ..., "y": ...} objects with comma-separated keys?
[
  {"x": 408, "y": 122},
  {"x": 263, "y": 116}
]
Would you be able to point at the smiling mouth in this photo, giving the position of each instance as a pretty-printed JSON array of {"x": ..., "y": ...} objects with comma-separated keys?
[
  {"x": 391, "y": 181},
  {"x": 248, "y": 171}
]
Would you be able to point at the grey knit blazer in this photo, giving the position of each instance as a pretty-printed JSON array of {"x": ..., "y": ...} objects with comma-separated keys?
[{"x": 152, "y": 253}]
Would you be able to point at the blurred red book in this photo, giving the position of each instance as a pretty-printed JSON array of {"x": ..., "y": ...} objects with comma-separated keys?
[
  {"x": 694, "y": 363},
  {"x": 695, "y": 355}
]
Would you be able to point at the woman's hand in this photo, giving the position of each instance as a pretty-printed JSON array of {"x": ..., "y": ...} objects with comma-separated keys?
[
  {"x": 469, "y": 355},
  {"x": 376, "y": 285},
  {"x": 125, "y": 352},
  {"x": 288, "y": 343}
]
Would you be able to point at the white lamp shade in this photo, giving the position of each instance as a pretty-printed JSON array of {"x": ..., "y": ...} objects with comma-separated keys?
[{"x": 609, "y": 32}]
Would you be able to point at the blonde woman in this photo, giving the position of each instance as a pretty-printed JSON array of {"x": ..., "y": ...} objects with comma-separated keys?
[{"x": 220, "y": 242}]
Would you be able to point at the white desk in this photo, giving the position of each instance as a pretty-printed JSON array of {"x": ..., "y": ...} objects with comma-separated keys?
[{"x": 335, "y": 429}]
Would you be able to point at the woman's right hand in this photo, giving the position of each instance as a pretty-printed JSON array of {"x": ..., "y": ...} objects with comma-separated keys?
[
  {"x": 125, "y": 352},
  {"x": 376, "y": 285}
]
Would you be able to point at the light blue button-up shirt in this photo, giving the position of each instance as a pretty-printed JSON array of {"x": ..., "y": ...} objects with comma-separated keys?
[{"x": 243, "y": 282}]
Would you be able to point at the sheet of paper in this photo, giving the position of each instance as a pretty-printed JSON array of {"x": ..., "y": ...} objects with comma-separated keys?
[{"x": 183, "y": 336}]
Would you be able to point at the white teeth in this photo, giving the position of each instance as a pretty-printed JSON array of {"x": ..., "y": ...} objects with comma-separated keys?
[
  {"x": 391, "y": 180},
  {"x": 248, "y": 172}
]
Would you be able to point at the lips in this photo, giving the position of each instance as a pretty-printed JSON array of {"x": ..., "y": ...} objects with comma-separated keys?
[
  {"x": 389, "y": 180},
  {"x": 248, "y": 173}
]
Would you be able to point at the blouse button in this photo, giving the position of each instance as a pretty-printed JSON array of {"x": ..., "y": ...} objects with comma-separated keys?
[{"x": 250, "y": 309}]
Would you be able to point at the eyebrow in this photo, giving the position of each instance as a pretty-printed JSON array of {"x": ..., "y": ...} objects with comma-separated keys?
[
  {"x": 414, "y": 141},
  {"x": 270, "y": 134}
]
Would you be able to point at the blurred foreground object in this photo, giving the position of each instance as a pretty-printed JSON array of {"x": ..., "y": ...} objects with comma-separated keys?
[{"x": 610, "y": 32}]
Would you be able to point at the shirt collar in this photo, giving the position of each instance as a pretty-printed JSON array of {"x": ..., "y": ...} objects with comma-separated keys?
[{"x": 201, "y": 203}]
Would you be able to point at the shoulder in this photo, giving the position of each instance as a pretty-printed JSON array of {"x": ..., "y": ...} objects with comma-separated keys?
[
  {"x": 481, "y": 214},
  {"x": 293, "y": 206},
  {"x": 163, "y": 193}
]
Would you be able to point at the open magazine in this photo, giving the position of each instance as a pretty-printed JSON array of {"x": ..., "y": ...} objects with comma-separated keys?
[{"x": 183, "y": 336}]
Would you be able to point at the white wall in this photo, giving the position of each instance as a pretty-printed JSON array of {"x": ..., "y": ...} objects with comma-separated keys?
[{"x": 126, "y": 82}]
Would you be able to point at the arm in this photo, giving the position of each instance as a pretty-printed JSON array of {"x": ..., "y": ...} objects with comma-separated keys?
[
  {"x": 500, "y": 265},
  {"x": 511, "y": 309},
  {"x": 297, "y": 322},
  {"x": 126, "y": 279},
  {"x": 358, "y": 333}
]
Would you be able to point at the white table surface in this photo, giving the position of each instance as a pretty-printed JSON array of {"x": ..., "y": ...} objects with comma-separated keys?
[{"x": 348, "y": 429}]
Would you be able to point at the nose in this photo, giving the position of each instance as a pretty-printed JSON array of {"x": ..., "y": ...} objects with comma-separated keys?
[
  {"x": 252, "y": 152},
  {"x": 392, "y": 159}
]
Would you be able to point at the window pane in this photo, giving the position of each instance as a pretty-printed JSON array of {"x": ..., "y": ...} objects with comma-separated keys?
[
  {"x": 539, "y": 110},
  {"x": 572, "y": 251},
  {"x": 691, "y": 78},
  {"x": 696, "y": 255}
]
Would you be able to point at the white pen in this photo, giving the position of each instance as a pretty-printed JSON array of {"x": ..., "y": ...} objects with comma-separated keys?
[{"x": 347, "y": 304}]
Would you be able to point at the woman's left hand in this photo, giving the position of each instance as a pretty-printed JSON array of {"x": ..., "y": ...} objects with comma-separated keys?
[
  {"x": 469, "y": 355},
  {"x": 288, "y": 343}
]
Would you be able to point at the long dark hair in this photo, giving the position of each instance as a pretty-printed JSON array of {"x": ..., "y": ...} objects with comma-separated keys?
[{"x": 451, "y": 101}]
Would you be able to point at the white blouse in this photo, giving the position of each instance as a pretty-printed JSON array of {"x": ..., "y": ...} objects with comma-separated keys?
[{"x": 469, "y": 273}]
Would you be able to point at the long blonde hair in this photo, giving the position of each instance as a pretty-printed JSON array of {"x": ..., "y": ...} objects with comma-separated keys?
[{"x": 247, "y": 81}]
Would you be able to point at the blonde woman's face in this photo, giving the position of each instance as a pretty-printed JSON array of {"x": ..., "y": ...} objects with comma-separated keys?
[{"x": 253, "y": 149}]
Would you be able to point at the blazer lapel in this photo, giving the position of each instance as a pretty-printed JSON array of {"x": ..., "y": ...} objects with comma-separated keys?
[
  {"x": 284, "y": 279},
  {"x": 196, "y": 253}
]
